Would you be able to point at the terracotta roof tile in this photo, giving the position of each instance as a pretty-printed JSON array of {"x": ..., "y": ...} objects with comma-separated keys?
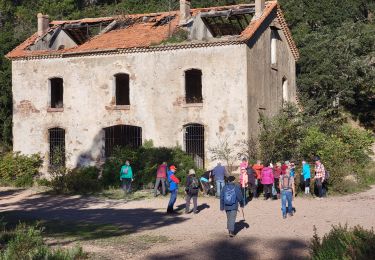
[{"x": 144, "y": 35}]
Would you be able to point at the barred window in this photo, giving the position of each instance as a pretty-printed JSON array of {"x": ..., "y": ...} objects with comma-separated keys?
[{"x": 56, "y": 147}]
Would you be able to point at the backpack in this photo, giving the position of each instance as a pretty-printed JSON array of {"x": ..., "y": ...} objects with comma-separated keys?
[
  {"x": 326, "y": 175},
  {"x": 285, "y": 182},
  {"x": 230, "y": 197},
  {"x": 194, "y": 186}
]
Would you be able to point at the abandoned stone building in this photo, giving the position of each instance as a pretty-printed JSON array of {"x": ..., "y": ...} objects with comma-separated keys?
[{"x": 187, "y": 77}]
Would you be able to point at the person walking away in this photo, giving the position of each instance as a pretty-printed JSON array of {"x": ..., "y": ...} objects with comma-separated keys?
[
  {"x": 205, "y": 180},
  {"x": 258, "y": 167},
  {"x": 173, "y": 187},
  {"x": 252, "y": 187},
  {"x": 126, "y": 177},
  {"x": 306, "y": 176},
  {"x": 219, "y": 173},
  {"x": 319, "y": 176},
  {"x": 229, "y": 199},
  {"x": 161, "y": 176},
  {"x": 192, "y": 190},
  {"x": 292, "y": 170},
  {"x": 287, "y": 188},
  {"x": 267, "y": 181},
  {"x": 244, "y": 183},
  {"x": 276, "y": 176}
]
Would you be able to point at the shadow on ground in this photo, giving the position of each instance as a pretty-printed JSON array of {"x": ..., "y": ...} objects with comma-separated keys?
[
  {"x": 239, "y": 248},
  {"x": 7, "y": 194},
  {"x": 78, "y": 217}
]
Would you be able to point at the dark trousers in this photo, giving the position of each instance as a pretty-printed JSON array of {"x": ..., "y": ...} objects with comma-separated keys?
[
  {"x": 267, "y": 190},
  {"x": 231, "y": 219},
  {"x": 172, "y": 200},
  {"x": 127, "y": 185},
  {"x": 319, "y": 186},
  {"x": 195, "y": 202},
  {"x": 157, "y": 183},
  {"x": 252, "y": 190},
  {"x": 205, "y": 186},
  {"x": 277, "y": 185}
]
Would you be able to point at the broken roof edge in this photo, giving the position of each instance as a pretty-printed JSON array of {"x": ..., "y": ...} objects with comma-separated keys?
[{"x": 117, "y": 51}]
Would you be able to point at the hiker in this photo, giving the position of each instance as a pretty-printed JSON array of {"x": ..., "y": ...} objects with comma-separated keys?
[
  {"x": 292, "y": 170},
  {"x": 126, "y": 177},
  {"x": 284, "y": 167},
  {"x": 192, "y": 190},
  {"x": 244, "y": 163},
  {"x": 161, "y": 177},
  {"x": 219, "y": 173},
  {"x": 276, "y": 177},
  {"x": 267, "y": 180},
  {"x": 306, "y": 176},
  {"x": 173, "y": 187},
  {"x": 319, "y": 176},
  {"x": 287, "y": 192},
  {"x": 258, "y": 169},
  {"x": 229, "y": 199},
  {"x": 205, "y": 180},
  {"x": 244, "y": 182},
  {"x": 252, "y": 187}
]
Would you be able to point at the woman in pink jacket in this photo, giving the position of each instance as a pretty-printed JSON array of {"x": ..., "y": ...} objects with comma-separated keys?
[{"x": 267, "y": 180}]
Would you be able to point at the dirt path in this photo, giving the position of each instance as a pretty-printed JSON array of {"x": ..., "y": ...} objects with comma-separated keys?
[{"x": 201, "y": 236}]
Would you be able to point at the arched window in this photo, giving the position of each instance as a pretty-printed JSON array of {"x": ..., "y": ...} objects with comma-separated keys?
[
  {"x": 193, "y": 86},
  {"x": 122, "y": 136},
  {"x": 57, "y": 92},
  {"x": 285, "y": 90},
  {"x": 56, "y": 147},
  {"x": 194, "y": 143},
  {"x": 122, "y": 89}
]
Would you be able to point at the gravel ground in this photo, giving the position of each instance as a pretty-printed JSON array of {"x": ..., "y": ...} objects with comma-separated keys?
[{"x": 263, "y": 234}]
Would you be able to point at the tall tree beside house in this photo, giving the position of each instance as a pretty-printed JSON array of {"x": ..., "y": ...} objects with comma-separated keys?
[{"x": 337, "y": 67}]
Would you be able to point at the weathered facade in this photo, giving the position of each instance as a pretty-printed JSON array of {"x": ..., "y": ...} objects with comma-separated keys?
[{"x": 70, "y": 97}]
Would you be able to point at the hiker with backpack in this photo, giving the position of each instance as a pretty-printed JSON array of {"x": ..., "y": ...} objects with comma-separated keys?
[
  {"x": 192, "y": 190},
  {"x": 306, "y": 176},
  {"x": 251, "y": 175},
  {"x": 173, "y": 188},
  {"x": 126, "y": 177},
  {"x": 230, "y": 197},
  {"x": 161, "y": 177},
  {"x": 288, "y": 190}
]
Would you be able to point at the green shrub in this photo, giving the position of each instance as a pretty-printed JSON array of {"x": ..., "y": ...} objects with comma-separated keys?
[
  {"x": 144, "y": 162},
  {"x": 79, "y": 180},
  {"x": 26, "y": 242},
  {"x": 344, "y": 243},
  {"x": 19, "y": 170}
]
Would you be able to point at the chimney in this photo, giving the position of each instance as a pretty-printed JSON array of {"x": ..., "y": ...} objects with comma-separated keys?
[
  {"x": 43, "y": 24},
  {"x": 259, "y": 8},
  {"x": 185, "y": 16}
]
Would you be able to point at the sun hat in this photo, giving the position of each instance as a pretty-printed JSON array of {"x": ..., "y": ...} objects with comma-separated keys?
[{"x": 191, "y": 172}]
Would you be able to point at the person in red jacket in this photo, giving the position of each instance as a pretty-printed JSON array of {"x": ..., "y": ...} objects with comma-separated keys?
[
  {"x": 258, "y": 169},
  {"x": 161, "y": 177}
]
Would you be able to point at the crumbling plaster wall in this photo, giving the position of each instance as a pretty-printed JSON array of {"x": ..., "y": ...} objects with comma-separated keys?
[
  {"x": 265, "y": 79},
  {"x": 156, "y": 96}
]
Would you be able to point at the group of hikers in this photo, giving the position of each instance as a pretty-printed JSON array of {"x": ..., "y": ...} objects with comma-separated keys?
[{"x": 277, "y": 182}]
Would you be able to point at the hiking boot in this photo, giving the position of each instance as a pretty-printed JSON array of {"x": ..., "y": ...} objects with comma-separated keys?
[
  {"x": 231, "y": 234},
  {"x": 196, "y": 212},
  {"x": 284, "y": 216},
  {"x": 291, "y": 214}
]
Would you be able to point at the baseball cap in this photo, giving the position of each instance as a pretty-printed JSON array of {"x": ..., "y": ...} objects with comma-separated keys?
[{"x": 172, "y": 167}]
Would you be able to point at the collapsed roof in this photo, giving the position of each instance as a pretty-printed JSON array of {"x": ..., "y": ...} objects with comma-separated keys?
[{"x": 144, "y": 32}]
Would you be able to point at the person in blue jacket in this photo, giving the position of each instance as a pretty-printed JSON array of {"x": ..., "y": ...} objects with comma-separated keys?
[
  {"x": 306, "y": 176},
  {"x": 173, "y": 188},
  {"x": 230, "y": 197}
]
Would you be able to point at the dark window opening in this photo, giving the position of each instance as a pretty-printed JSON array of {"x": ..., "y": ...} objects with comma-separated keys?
[
  {"x": 57, "y": 92},
  {"x": 56, "y": 148},
  {"x": 193, "y": 86},
  {"x": 194, "y": 143},
  {"x": 229, "y": 22},
  {"x": 122, "y": 89},
  {"x": 122, "y": 136}
]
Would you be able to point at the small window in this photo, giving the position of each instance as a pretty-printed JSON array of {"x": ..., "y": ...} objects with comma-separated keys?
[
  {"x": 285, "y": 90},
  {"x": 57, "y": 92},
  {"x": 193, "y": 86},
  {"x": 56, "y": 148},
  {"x": 274, "y": 38},
  {"x": 122, "y": 89}
]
